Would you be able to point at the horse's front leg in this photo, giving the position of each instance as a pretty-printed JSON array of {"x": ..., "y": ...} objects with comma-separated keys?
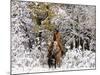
[{"x": 55, "y": 63}]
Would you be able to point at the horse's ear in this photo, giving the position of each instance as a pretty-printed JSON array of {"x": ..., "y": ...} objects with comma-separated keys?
[
  {"x": 54, "y": 37},
  {"x": 49, "y": 43}
]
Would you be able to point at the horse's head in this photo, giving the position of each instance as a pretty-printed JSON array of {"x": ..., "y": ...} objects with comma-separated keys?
[{"x": 55, "y": 44}]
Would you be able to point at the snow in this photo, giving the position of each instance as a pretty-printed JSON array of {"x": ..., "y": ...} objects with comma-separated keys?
[
  {"x": 73, "y": 60},
  {"x": 79, "y": 59}
]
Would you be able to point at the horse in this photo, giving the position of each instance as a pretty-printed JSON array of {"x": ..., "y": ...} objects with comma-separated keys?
[
  {"x": 54, "y": 55},
  {"x": 51, "y": 56},
  {"x": 55, "y": 51}
]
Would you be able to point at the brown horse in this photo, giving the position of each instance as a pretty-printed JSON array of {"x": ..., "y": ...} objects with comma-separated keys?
[
  {"x": 57, "y": 53},
  {"x": 57, "y": 38},
  {"x": 55, "y": 49}
]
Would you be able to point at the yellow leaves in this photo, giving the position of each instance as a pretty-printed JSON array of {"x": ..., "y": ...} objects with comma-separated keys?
[
  {"x": 47, "y": 24},
  {"x": 36, "y": 29},
  {"x": 51, "y": 14},
  {"x": 39, "y": 9},
  {"x": 43, "y": 7},
  {"x": 50, "y": 27}
]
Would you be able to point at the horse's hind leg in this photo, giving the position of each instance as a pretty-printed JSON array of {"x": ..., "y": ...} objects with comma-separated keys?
[
  {"x": 58, "y": 61},
  {"x": 49, "y": 63},
  {"x": 55, "y": 64}
]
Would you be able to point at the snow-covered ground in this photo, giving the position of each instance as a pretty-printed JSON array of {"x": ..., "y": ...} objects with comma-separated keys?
[{"x": 73, "y": 60}]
